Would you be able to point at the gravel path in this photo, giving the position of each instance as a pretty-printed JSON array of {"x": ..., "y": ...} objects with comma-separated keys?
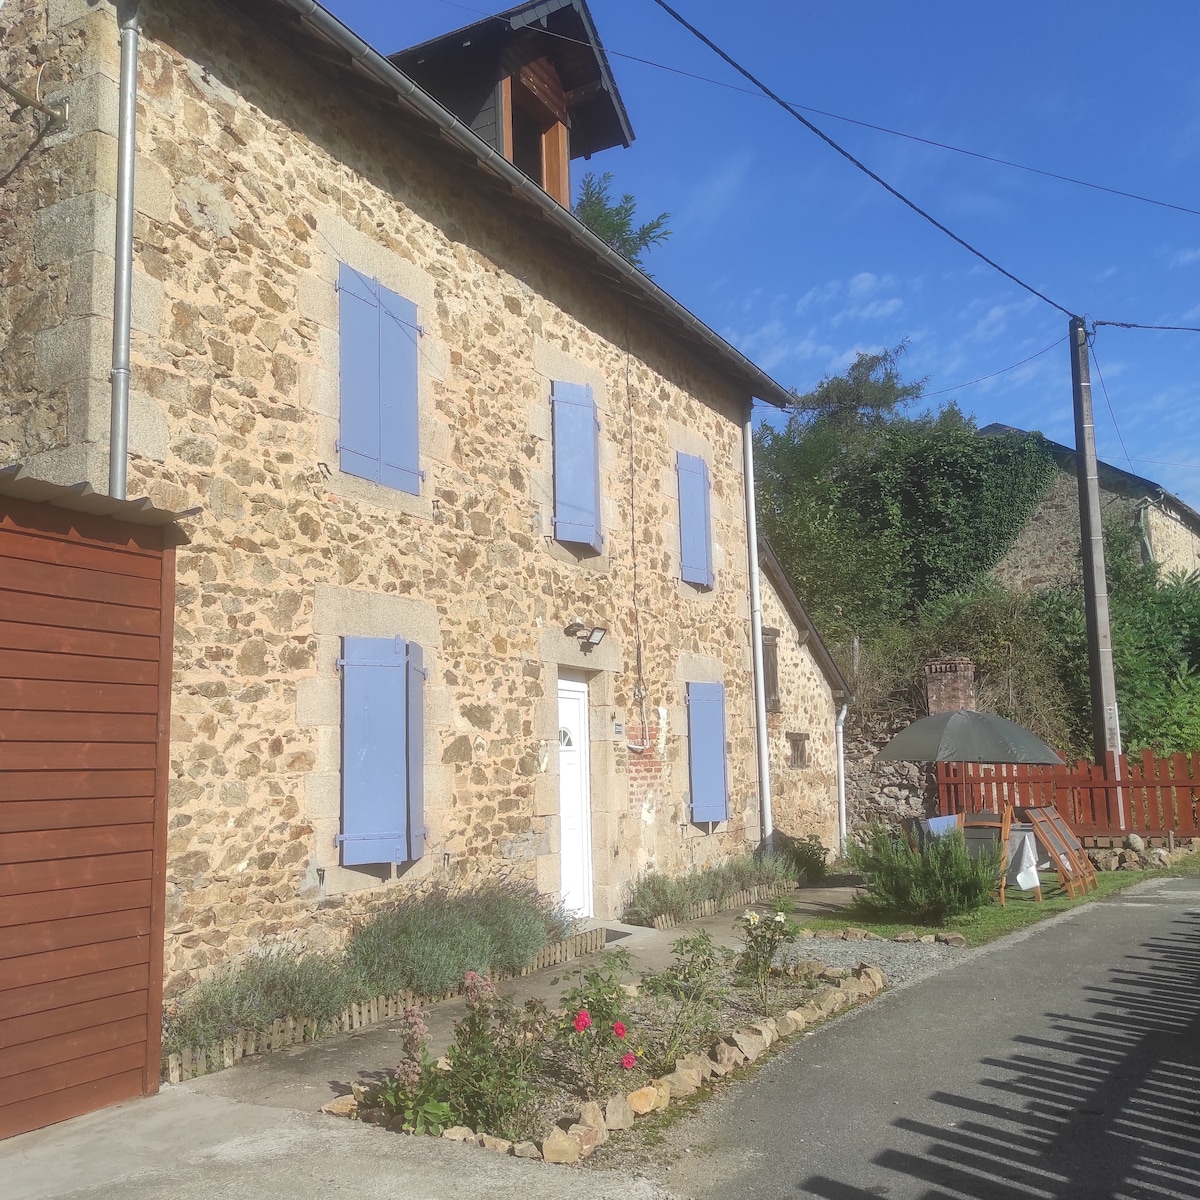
[{"x": 901, "y": 962}]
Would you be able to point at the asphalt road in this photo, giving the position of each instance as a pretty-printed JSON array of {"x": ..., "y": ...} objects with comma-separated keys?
[{"x": 1059, "y": 1066}]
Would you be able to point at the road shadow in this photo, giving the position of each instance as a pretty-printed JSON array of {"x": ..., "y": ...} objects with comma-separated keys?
[{"x": 1106, "y": 1107}]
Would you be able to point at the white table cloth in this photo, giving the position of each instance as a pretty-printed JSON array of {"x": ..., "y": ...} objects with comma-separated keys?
[{"x": 1022, "y": 871}]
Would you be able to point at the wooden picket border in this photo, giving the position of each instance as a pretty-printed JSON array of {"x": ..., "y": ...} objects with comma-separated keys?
[
  {"x": 1156, "y": 798},
  {"x": 709, "y": 908},
  {"x": 295, "y": 1031}
]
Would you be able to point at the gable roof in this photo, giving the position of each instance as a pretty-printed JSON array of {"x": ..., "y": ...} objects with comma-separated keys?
[
  {"x": 799, "y": 614},
  {"x": 566, "y": 34},
  {"x": 333, "y": 51},
  {"x": 1112, "y": 478}
]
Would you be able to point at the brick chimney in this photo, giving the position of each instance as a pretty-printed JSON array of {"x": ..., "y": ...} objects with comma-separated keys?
[{"x": 949, "y": 684}]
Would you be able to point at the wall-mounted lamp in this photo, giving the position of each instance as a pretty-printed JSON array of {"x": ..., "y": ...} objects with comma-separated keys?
[{"x": 590, "y": 636}]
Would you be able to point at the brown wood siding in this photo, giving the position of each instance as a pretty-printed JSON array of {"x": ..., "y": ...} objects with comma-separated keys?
[{"x": 86, "y": 608}]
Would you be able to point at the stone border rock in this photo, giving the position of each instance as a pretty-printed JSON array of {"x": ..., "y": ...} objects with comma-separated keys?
[
  {"x": 577, "y": 1135},
  {"x": 851, "y": 934},
  {"x": 295, "y": 1031}
]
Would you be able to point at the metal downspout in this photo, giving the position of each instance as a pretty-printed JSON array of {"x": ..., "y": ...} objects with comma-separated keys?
[
  {"x": 118, "y": 430},
  {"x": 760, "y": 695},
  {"x": 839, "y": 733}
]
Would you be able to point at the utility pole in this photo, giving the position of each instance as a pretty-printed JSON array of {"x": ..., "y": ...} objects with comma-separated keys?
[{"x": 1106, "y": 729}]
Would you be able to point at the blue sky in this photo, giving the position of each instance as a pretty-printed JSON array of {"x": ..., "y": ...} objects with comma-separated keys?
[{"x": 800, "y": 260}]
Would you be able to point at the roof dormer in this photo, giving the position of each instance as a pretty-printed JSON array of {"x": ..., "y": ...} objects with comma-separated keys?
[{"x": 532, "y": 82}]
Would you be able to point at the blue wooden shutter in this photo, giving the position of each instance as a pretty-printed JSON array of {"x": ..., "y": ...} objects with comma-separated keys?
[
  {"x": 374, "y": 760},
  {"x": 706, "y": 751},
  {"x": 379, "y": 432},
  {"x": 576, "y": 465},
  {"x": 416, "y": 752},
  {"x": 695, "y": 524},
  {"x": 358, "y": 353},
  {"x": 399, "y": 418}
]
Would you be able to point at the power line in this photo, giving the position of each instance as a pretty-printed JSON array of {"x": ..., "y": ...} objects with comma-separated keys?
[
  {"x": 1104, "y": 389},
  {"x": 794, "y": 111},
  {"x": 1158, "y": 463},
  {"x": 972, "y": 382},
  {"x": 1135, "y": 325},
  {"x": 861, "y": 166},
  {"x": 900, "y": 133}
]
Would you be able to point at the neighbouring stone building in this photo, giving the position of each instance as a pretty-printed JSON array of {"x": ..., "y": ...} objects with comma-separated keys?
[
  {"x": 535, "y": 549},
  {"x": 804, "y": 691},
  {"x": 1046, "y": 551}
]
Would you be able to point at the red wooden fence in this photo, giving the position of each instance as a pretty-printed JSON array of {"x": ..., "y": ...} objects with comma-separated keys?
[{"x": 1152, "y": 797}]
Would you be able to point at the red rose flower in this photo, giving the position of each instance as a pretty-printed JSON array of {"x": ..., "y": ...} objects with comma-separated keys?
[
  {"x": 582, "y": 1020},
  {"x": 618, "y": 1029},
  {"x": 629, "y": 1062}
]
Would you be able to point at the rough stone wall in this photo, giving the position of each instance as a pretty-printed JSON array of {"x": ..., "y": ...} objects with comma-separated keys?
[
  {"x": 1046, "y": 552},
  {"x": 1172, "y": 544},
  {"x": 252, "y": 185},
  {"x": 887, "y": 791},
  {"x": 803, "y": 799},
  {"x": 43, "y": 275}
]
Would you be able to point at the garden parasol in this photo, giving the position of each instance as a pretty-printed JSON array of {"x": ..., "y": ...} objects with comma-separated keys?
[{"x": 967, "y": 736}]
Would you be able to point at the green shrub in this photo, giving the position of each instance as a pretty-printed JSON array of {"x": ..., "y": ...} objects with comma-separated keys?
[
  {"x": 656, "y": 894},
  {"x": 807, "y": 855},
  {"x": 516, "y": 918},
  {"x": 942, "y": 882},
  {"x": 423, "y": 944},
  {"x": 492, "y": 1063},
  {"x": 593, "y": 1026},
  {"x": 687, "y": 997},
  {"x": 256, "y": 991}
]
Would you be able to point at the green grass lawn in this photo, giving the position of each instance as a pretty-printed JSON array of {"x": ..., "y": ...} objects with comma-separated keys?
[{"x": 1021, "y": 909}]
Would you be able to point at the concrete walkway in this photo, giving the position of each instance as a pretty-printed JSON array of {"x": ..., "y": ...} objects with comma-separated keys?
[
  {"x": 1058, "y": 1064},
  {"x": 254, "y": 1131}
]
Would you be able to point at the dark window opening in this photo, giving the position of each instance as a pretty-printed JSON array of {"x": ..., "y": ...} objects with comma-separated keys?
[
  {"x": 527, "y": 143},
  {"x": 798, "y": 745},
  {"x": 770, "y": 649}
]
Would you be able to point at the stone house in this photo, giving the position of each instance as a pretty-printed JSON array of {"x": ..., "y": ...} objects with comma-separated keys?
[
  {"x": 804, "y": 691},
  {"x": 468, "y": 588},
  {"x": 1046, "y": 551}
]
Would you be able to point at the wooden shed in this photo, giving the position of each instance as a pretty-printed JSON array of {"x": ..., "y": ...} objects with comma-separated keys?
[{"x": 86, "y": 621}]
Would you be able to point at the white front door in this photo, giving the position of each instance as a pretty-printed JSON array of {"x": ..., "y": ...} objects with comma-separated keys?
[{"x": 575, "y": 798}]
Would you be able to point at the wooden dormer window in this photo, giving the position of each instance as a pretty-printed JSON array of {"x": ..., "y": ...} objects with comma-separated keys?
[{"x": 534, "y": 126}]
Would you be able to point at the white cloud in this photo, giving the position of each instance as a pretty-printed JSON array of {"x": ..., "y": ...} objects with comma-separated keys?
[
  {"x": 863, "y": 284},
  {"x": 1184, "y": 258}
]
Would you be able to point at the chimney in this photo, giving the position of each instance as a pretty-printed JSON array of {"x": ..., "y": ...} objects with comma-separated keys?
[{"x": 949, "y": 685}]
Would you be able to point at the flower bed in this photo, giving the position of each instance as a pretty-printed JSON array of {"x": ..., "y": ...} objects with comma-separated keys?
[
  {"x": 616, "y": 1050},
  {"x": 575, "y": 1135},
  {"x": 293, "y": 1031}
]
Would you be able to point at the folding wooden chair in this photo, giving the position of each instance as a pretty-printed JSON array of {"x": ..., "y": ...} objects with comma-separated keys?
[{"x": 982, "y": 830}]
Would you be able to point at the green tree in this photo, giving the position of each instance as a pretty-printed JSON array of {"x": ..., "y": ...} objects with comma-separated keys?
[
  {"x": 1155, "y": 625},
  {"x": 875, "y": 513},
  {"x": 612, "y": 220}
]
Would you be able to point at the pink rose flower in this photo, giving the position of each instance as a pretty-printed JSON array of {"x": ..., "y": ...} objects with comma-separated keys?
[
  {"x": 582, "y": 1020},
  {"x": 629, "y": 1062},
  {"x": 618, "y": 1029}
]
